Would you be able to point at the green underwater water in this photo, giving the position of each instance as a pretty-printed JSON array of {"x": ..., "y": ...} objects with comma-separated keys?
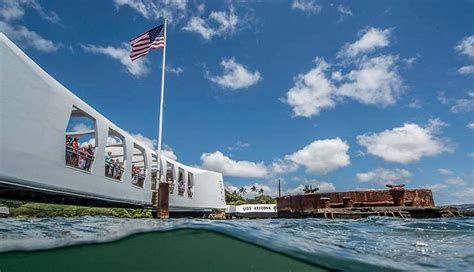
[{"x": 178, "y": 250}]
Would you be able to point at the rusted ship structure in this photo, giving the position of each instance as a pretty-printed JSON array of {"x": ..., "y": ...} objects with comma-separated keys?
[{"x": 396, "y": 201}]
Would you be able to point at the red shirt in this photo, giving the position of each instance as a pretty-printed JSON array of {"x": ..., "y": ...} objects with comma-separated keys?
[
  {"x": 75, "y": 145},
  {"x": 83, "y": 153}
]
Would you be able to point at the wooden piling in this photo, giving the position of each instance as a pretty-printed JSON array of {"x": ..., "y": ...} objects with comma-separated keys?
[{"x": 162, "y": 209}]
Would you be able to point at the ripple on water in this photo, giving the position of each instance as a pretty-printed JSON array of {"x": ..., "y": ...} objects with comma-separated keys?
[{"x": 411, "y": 244}]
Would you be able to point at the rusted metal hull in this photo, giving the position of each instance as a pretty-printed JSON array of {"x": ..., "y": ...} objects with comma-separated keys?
[{"x": 350, "y": 202}]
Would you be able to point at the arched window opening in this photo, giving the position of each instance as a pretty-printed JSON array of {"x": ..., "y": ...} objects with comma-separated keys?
[
  {"x": 114, "y": 155},
  {"x": 170, "y": 176},
  {"x": 190, "y": 185},
  {"x": 181, "y": 185},
  {"x": 138, "y": 166},
  {"x": 81, "y": 138}
]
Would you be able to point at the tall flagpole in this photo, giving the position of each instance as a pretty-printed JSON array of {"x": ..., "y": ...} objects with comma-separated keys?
[{"x": 160, "y": 126}]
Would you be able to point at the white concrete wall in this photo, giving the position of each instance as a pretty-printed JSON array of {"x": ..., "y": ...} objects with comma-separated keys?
[{"x": 34, "y": 113}]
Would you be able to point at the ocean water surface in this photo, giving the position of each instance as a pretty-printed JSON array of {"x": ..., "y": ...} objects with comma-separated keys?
[{"x": 374, "y": 243}]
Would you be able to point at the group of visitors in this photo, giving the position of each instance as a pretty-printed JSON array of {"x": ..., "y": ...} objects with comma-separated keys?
[
  {"x": 138, "y": 175},
  {"x": 181, "y": 186},
  {"x": 181, "y": 183},
  {"x": 190, "y": 190},
  {"x": 113, "y": 169},
  {"x": 170, "y": 180},
  {"x": 79, "y": 156}
]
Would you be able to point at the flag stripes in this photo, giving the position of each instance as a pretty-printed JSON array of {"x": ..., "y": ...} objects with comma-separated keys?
[{"x": 152, "y": 39}]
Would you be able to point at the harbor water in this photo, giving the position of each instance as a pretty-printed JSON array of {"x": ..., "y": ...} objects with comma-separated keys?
[{"x": 105, "y": 243}]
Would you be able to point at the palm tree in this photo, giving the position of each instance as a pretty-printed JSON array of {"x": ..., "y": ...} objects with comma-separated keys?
[
  {"x": 254, "y": 190},
  {"x": 242, "y": 191}
]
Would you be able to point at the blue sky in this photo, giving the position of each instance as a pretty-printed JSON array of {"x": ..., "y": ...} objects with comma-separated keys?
[{"x": 342, "y": 95}]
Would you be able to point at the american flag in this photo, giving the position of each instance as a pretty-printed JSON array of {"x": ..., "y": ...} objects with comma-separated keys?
[{"x": 154, "y": 38}]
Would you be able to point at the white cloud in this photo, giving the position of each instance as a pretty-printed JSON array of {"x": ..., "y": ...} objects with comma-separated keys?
[
  {"x": 415, "y": 104},
  {"x": 466, "y": 46},
  {"x": 470, "y": 155},
  {"x": 11, "y": 10},
  {"x": 445, "y": 171},
  {"x": 81, "y": 127},
  {"x": 14, "y": 10},
  {"x": 238, "y": 145},
  {"x": 370, "y": 40},
  {"x": 462, "y": 105},
  {"x": 267, "y": 190},
  {"x": 319, "y": 157},
  {"x": 322, "y": 185},
  {"x": 336, "y": 76},
  {"x": 325, "y": 186},
  {"x": 312, "y": 92},
  {"x": 113, "y": 140},
  {"x": 173, "y": 10},
  {"x": 322, "y": 156},
  {"x": 470, "y": 125},
  {"x": 280, "y": 166},
  {"x": 385, "y": 176},
  {"x": 230, "y": 188},
  {"x": 27, "y": 38},
  {"x": 220, "y": 163},
  {"x": 218, "y": 23},
  {"x": 376, "y": 81},
  {"x": 147, "y": 142},
  {"x": 458, "y": 105},
  {"x": 169, "y": 153},
  {"x": 200, "y": 26},
  {"x": 466, "y": 70},
  {"x": 435, "y": 187},
  {"x": 138, "y": 68},
  {"x": 344, "y": 10},
  {"x": 466, "y": 196},
  {"x": 86, "y": 143},
  {"x": 406, "y": 144},
  {"x": 410, "y": 61},
  {"x": 152, "y": 144},
  {"x": 370, "y": 80},
  {"x": 443, "y": 98},
  {"x": 455, "y": 181},
  {"x": 235, "y": 76},
  {"x": 309, "y": 6},
  {"x": 227, "y": 21},
  {"x": 174, "y": 70}
]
